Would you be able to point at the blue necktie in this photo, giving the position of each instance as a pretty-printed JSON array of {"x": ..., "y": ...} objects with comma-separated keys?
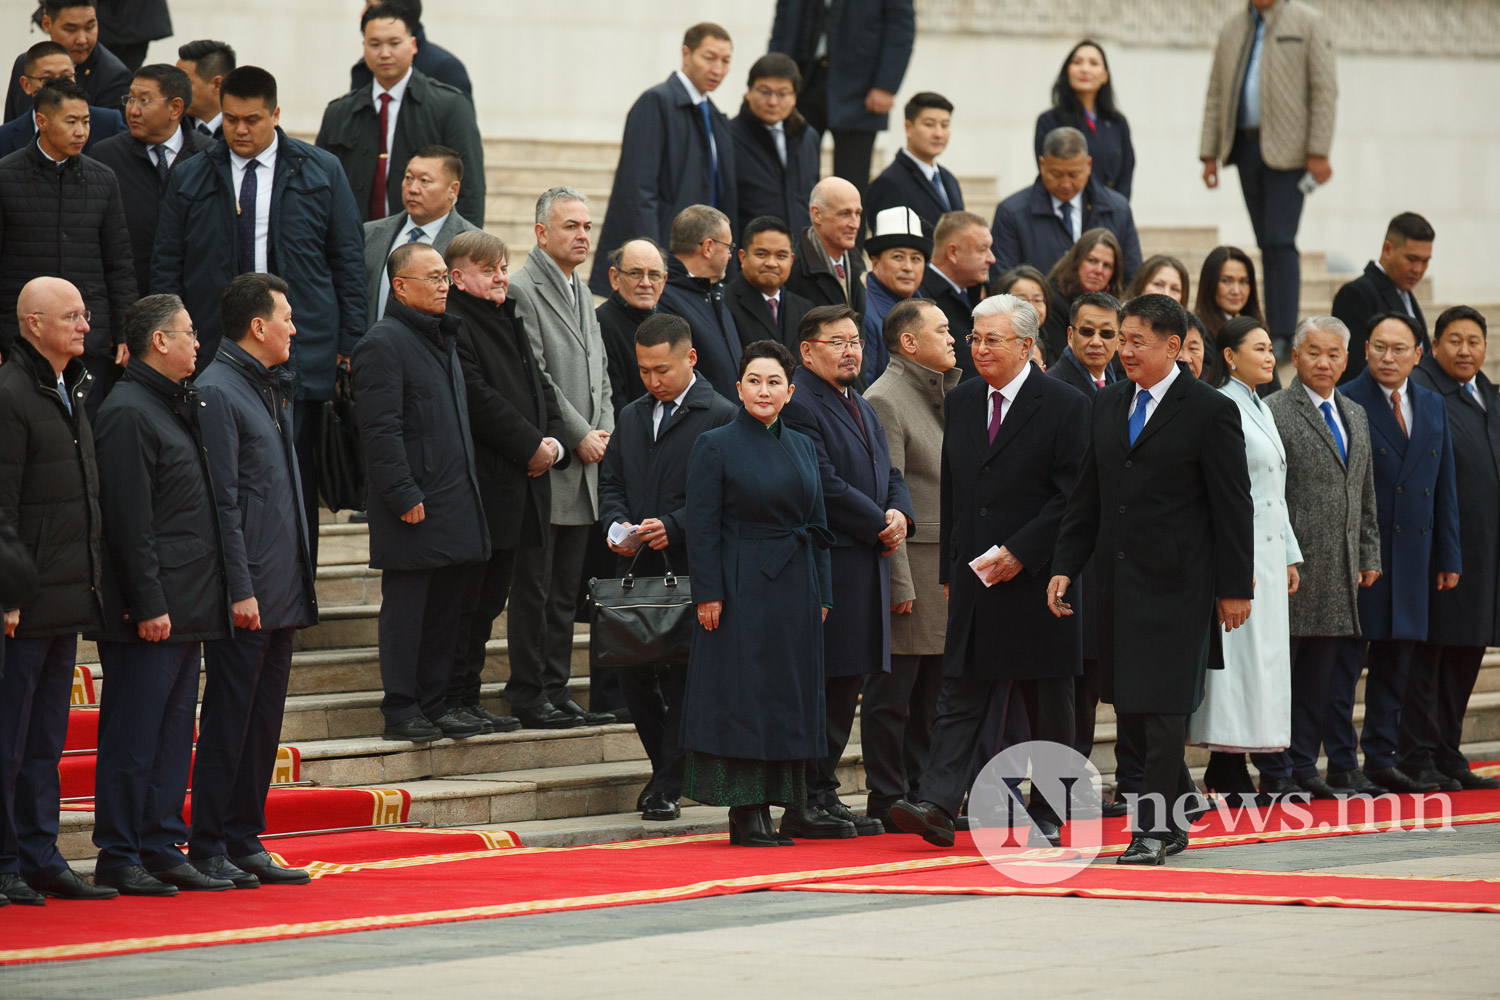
[
  {"x": 245, "y": 223},
  {"x": 62, "y": 390},
  {"x": 415, "y": 235},
  {"x": 942, "y": 193},
  {"x": 1138, "y": 415},
  {"x": 713, "y": 154},
  {"x": 1066, "y": 213},
  {"x": 162, "y": 167},
  {"x": 666, "y": 414},
  {"x": 1338, "y": 438}
]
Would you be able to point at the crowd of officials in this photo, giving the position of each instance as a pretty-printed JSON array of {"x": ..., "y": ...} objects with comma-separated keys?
[{"x": 969, "y": 487}]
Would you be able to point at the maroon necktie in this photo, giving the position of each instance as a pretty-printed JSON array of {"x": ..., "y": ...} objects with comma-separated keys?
[
  {"x": 774, "y": 318},
  {"x": 377, "y": 186},
  {"x": 995, "y": 415},
  {"x": 838, "y": 269},
  {"x": 847, "y": 399},
  {"x": 1099, "y": 382}
]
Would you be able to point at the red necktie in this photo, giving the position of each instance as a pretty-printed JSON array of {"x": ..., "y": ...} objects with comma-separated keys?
[
  {"x": 1099, "y": 382},
  {"x": 838, "y": 269},
  {"x": 774, "y": 318},
  {"x": 1396, "y": 407},
  {"x": 377, "y": 186}
]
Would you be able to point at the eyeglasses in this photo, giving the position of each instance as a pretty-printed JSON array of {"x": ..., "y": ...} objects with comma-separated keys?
[
  {"x": 841, "y": 345},
  {"x": 72, "y": 317},
  {"x": 767, "y": 94},
  {"x": 443, "y": 279},
  {"x": 989, "y": 340},
  {"x": 1397, "y": 351},
  {"x": 635, "y": 274},
  {"x": 144, "y": 102},
  {"x": 721, "y": 243},
  {"x": 1089, "y": 333},
  {"x": 194, "y": 333},
  {"x": 48, "y": 79}
]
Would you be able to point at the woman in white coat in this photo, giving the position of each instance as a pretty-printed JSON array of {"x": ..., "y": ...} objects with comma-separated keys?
[{"x": 1248, "y": 704}]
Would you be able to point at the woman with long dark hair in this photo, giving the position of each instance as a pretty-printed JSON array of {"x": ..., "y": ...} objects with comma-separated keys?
[
  {"x": 1084, "y": 98},
  {"x": 1092, "y": 265},
  {"x": 1226, "y": 289},
  {"x": 1161, "y": 275}
]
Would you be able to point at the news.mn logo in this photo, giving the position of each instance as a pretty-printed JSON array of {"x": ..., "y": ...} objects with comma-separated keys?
[{"x": 1064, "y": 789}]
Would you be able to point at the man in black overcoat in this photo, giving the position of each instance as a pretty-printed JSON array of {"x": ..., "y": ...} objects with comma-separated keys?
[
  {"x": 828, "y": 266},
  {"x": 1387, "y": 285},
  {"x": 915, "y": 179},
  {"x": 1464, "y": 620},
  {"x": 643, "y": 486},
  {"x": 762, "y": 305},
  {"x": 637, "y": 276},
  {"x": 870, "y": 513},
  {"x": 1164, "y": 498},
  {"x": 428, "y": 533},
  {"x": 776, "y": 154},
  {"x": 1013, "y": 443},
  {"x": 432, "y": 59},
  {"x": 518, "y": 431},
  {"x": 695, "y": 291},
  {"x": 74, "y": 24}
]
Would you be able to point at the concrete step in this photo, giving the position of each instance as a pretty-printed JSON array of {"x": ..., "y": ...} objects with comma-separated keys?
[
  {"x": 341, "y": 585},
  {"x": 567, "y": 152},
  {"x": 1177, "y": 240},
  {"x": 502, "y": 198},
  {"x": 537, "y": 175}
]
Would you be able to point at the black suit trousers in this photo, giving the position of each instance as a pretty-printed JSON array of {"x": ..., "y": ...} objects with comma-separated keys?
[
  {"x": 896, "y": 727},
  {"x": 239, "y": 732},
  {"x": 1325, "y": 670},
  {"x": 852, "y": 148},
  {"x": 841, "y": 698},
  {"x": 1275, "y": 206},
  {"x": 35, "y": 688},
  {"x": 543, "y": 603},
  {"x": 488, "y": 592},
  {"x": 419, "y": 613},
  {"x": 654, "y": 697},
  {"x": 1432, "y": 714},
  {"x": 1165, "y": 781},
  {"x": 1389, "y": 666}
]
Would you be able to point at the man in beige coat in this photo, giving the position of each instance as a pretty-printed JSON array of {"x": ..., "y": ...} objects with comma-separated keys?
[
  {"x": 1272, "y": 94},
  {"x": 896, "y": 721}
]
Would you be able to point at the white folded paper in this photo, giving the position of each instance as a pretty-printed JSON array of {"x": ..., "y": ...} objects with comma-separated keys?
[
  {"x": 623, "y": 536},
  {"x": 981, "y": 563}
]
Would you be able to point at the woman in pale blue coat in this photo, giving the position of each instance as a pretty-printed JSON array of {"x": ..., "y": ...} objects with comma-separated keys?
[{"x": 1248, "y": 704}]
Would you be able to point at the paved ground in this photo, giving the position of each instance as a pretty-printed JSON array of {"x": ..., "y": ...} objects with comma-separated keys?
[{"x": 762, "y": 944}]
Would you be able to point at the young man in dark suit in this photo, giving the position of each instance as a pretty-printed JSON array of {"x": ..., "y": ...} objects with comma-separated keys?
[
  {"x": 775, "y": 151},
  {"x": 74, "y": 25},
  {"x": 207, "y": 62},
  {"x": 915, "y": 179},
  {"x": 643, "y": 487},
  {"x": 45, "y": 62},
  {"x": 1164, "y": 497},
  {"x": 762, "y": 305},
  {"x": 1387, "y": 285}
]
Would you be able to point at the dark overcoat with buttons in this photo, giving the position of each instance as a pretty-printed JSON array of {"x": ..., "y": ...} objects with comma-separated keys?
[
  {"x": 1172, "y": 520},
  {"x": 1416, "y": 496}
]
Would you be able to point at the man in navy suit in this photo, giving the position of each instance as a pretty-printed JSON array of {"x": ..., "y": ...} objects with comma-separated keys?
[
  {"x": 1388, "y": 285},
  {"x": 677, "y": 151},
  {"x": 46, "y": 61},
  {"x": 915, "y": 179},
  {"x": 1417, "y": 496},
  {"x": 870, "y": 512}
]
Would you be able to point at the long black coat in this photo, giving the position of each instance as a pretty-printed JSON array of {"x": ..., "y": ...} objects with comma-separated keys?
[
  {"x": 1469, "y": 614},
  {"x": 1027, "y": 231},
  {"x": 1010, "y": 493},
  {"x": 317, "y": 245},
  {"x": 617, "y": 324},
  {"x": 133, "y": 21},
  {"x": 1109, "y": 146},
  {"x": 959, "y": 308},
  {"x": 141, "y": 190},
  {"x": 18, "y": 575},
  {"x": 715, "y": 337},
  {"x": 102, "y": 76},
  {"x": 757, "y": 540},
  {"x": 430, "y": 113},
  {"x": 869, "y": 45},
  {"x": 511, "y": 409},
  {"x": 66, "y": 224},
  {"x": 903, "y": 185},
  {"x": 432, "y": 59},
  {"x": 664, "y": 167},
  {"x": 1358, "y": 301},
  {"x": 814, "y": 280},
  {"x": 163, "y": 549},
  {"x": 752, "y": 317},
  {"x": 104, "y": 123},
  {"x": 643, "y": 477},
  {"x": 767, "y": 187},
  {"x": 49, "y": 490},
  {"x": 859, "y": 485},
  {"x": 247, "y": 429},
  {"x": 1172, "y": 521},
  {"x": 413, "y": 417}
]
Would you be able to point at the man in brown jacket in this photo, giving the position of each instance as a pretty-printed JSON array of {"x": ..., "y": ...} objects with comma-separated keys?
[
  {"x": 896, "y": 724},
  {"x": 1270, "y": 107}
]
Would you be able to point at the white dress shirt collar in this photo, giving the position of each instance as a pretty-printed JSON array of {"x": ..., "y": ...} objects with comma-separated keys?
[
  {"x": 266, "y": 157},
  {"x": 929, "y": 170},
  {"x": 173, "y": 143},
  {"x": 1077, "y": 219},
  {"x": 397, "y": 89},
  {"x": 694, "y": 94},
  {"x": 1008, "y": 393},
  {"x": 1317, "y": 400},
  {"x": 1406, "y": 411},
  {"x": 214, "y": 123},
  {"x": 429, "y": 229},
  {"x": 937, "y": 271},
  {"x": 1157, "y": 392}
]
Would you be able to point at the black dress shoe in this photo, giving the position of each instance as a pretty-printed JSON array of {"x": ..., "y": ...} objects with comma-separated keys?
[
  {"x": 1432, "y": 776},
  {"x": 927, "y": 820},
  {"x": 865, "y": 826},
  {"x": 548, "y": 716},
  {"x": 15, "y": 889},
  {"x": 67, "y": 884},
  {"x": 458, "y": 727},
  {"x": 643, "y": 800},
  {"x": 1352, "y": 782},
  {"x": 1176, "y": 843},
  {"x": 190, "y": 879},
  {"x": 1469, "y": 781},
  {"x": 414, "y": 730},
  {"x": 1318, "y": 788},
  {"x": 1115, "y": 808},
  {"x": 265, "y": 868},
  {"x": 133, "y": 880},
  {"x": 1396, "y": 780},
  {"x": 1144, "y": 851},
  {"x": 1045, "y": 832},
  {"x": 1278, "y": 786},
  {"x": 815, "y": 823},
  {"x": 661, "y": 809},
  {"x": 750, "y": 826},
  {"x": 589, "y": 718},
  {"x": 462, "y": 714},
  {"x": 498, "y": 723},
  {"x": 221, "y": 867}
]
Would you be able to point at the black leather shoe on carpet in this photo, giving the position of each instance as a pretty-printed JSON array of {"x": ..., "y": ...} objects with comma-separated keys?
[
  {"x": 498, "y": 723},
  {"x": 68, "y": 884},
  {"x": 1144, "y": 851},
  {"x": 926, "y": 819},
  {"x": 548, "y": 716},
  {"x": 414, "y": 730},
  {"x": 1393, "y": 780},
  {"x": 865, "y": 826},
  {"x": 1432, "y": 776},
  {"x": 814, "y": 823},
  {"x": 1470, "y": 781},
  {"x": 265, "y": 868},
  {"x": 222, "y": 868},
  {"x": 14, "y": 888},
  {"x": 190, "y": 879},
  {"x": 661, "y": 809},
  {"x": 133, "y": 880}
]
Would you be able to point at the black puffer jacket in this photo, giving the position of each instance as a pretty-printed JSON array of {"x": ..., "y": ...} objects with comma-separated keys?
[
  {"x": 49, "y": 489},
  {"x": 67, "y": 222},
  {"x": 163, "y": 553}
]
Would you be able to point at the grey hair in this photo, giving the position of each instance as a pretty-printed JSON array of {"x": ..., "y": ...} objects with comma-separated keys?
[
  {"x": 617, "y": 255},
  {"x": 1327, "y": 324},
  {"x": 695, "y": 224},
  {"x": 552, "y": 196},
  {"x": 1023, "y": 317},
  {"x": 1065, "y": 143}
]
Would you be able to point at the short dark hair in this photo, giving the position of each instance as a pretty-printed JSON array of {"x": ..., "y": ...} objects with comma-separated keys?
[
  {"x": 764, "y": 224},
  {"x": 52, "y": 8},
  {"x": 768, "y": 349},
  {"x": 1160, "y": 312},
  {"x": 248, "y": 83},
  {"x": 1231, "y": 335},
  {"x": 210, "y": 58},
  {"x": 1455, "y": 313},
  {"x": 452, "y": 162},
  {"x": 145, "y": 317},
  {"x": 775, "y": 66},
  {"x": 394, "y": 11},
  {"x": 1409, "y": 226},
  {"x": 246, "y": 298},
  {"x": 694, "y": 36},
  {"x": 1102, "y": 300},
  {"x": 1007, "y": 280},
  {"x": 820, "y": 316},
  {"x": 402, "y": 255},
  {"x": 904, "y": 317},
  {"x": 171, "y": 81},
  {"x": 42, "y": 50},
  {"x": 54, "y": 93},
  {"x": 664, "y": 328},
  {"x": 1402, "y": 318},
  {"x": 924, "y": 101}
]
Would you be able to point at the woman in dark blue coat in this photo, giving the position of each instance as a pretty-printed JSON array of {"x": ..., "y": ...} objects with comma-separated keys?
[
  {"x": 1084, "y": 98},
  {"x": 757, "y": 540}
]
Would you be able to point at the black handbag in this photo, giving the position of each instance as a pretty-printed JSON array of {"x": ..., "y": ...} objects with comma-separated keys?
[
  {"x": 341, "y": 456},
  {"x": 640, "y": 620}
]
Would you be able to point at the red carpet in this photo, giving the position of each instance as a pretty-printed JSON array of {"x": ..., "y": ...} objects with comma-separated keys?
[{"x": 298, "y": 809}]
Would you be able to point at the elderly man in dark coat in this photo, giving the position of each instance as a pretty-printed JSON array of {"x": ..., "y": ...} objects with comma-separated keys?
[
  {"x": 775, "y": 150},
  {"x": 247, "y": 430},
  {"x": 1464, "y": 620},
  {"x": 164, "y": 592},
  {"x": 870, "y": 513},
  {"x": 637, "y": 275},
  {"x": 428, "y": 534}
]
